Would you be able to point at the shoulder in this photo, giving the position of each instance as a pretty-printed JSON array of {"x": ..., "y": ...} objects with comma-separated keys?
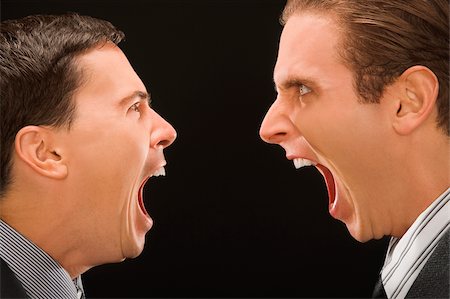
[
  {"x": 433, "y": 280},
  {"x": 10, "y": 286}
]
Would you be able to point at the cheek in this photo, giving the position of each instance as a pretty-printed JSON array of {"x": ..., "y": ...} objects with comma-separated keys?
[
  {"x": 109, "y": 175},
  {"x": 327, "y": 131},
  {"x": 107, "y": 157},
  {"x": 351, "y": 138}
]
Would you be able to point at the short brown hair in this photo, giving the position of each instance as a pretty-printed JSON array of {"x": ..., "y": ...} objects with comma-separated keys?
[
  {"x": 383, "y": 38},
  {"x": 38, "y": 73}
]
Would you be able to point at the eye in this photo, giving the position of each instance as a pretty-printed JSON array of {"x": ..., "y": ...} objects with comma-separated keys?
[
  {"x": 303, "y": 89},
  {"x": 135, "y": 107}
]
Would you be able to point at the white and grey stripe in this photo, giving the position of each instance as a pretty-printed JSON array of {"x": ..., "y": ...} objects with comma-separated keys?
[
  {"x": 407, "y": 256},
  {"x": 40, "y": 275}
]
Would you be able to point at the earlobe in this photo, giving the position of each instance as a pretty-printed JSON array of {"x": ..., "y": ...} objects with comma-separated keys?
[
  {"x": 417, "y": 98},
  {"x": 34, "y": 145}
]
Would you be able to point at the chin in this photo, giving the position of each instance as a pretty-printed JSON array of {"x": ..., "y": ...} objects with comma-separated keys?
[
  {"x": 364, "y": 233},
  {"x": 359, "y": 237},
  {"x": 359, "y": 233},
  {"x": 135, "y": 250}
]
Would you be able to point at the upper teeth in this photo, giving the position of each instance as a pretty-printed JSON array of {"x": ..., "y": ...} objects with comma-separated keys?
[
  {"x": 299, "y": 163},
  {"x": 160, "y": 171}
]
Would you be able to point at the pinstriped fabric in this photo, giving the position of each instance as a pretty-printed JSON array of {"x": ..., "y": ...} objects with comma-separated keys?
[
  {"x": 407, "y": 256},
  {"x": 40, "y": 275}
]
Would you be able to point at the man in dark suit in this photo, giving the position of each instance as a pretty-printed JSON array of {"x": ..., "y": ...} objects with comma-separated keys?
[
  {"x": 363, "y": 97},
  {"x": 79, "y": 142}
]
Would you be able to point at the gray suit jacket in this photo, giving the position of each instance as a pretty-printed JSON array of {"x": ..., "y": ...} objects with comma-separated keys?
[{"x": 433, "y": 281}]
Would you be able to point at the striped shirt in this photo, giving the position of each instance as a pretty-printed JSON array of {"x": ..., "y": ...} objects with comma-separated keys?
[
  {"x": 40, "y": 275},
  {"x": 407, "y": 256}
]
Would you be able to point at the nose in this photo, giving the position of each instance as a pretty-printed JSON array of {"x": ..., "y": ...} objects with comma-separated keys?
[
  {"x": 163, "y": 134},
  {"x": 276, "y": 124}
]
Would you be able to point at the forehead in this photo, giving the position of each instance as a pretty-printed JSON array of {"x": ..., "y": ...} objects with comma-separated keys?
[
  {"x": 308, "y": 48},
  {"x": 107, "y": 76}
]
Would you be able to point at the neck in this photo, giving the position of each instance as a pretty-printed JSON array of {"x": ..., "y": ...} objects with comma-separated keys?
[
  {"x": 423, "y": 175},
  {"x": 41, "y": 217}
]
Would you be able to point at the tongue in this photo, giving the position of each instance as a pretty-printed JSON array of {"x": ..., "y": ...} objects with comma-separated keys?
[{"x": 329, "y": 180}]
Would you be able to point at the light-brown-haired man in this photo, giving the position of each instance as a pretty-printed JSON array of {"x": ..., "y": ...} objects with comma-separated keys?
[{"x": 363, "y": 96}]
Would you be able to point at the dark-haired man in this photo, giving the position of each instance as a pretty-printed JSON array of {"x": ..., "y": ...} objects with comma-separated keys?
[
  {"x": 363, "y": 96},
  {"x": 79, "y": 141}
]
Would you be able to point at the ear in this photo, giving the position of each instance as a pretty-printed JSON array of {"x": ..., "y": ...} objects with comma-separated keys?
[
  {"x": 418, "y": 92},
  {"x": 35, "y": 146}
]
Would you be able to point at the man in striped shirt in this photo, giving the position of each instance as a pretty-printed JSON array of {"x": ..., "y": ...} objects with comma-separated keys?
[
  {"x": 79, "y": 141},
  {"x": 363, "y": 96}
]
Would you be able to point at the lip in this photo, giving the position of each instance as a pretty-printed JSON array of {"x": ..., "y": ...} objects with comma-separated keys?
[
  {"x": 331, "y": 188},
  {"x": 141, "y": 197},
  {"x": 144, "y": 222}
]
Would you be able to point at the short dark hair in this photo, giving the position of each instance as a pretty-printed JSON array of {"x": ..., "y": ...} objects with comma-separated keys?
[
  {"x": 38, "y": 73},
  {"x": 383, "y": 38}
]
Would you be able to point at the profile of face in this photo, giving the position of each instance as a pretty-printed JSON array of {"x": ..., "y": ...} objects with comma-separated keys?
[
  {"x": 319, "y": 120},
  {"x": 114, "y": 146}
]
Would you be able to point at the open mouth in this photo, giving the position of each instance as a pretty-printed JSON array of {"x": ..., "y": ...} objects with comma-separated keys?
[
  {"x": 326, "y": 173},
  {"x": 331, "y": 185},
  {"x": 160, "y": 172},
  {"x": 141, "y": 197}
]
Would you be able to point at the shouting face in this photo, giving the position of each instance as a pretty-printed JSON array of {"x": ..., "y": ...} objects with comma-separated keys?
[
  {"x": 114, "y": 146},
  {"x": 319, "y": 120}
]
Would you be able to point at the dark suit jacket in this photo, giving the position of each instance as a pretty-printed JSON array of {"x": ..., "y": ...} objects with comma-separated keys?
[
  {"x": 10, "y": 286},
  {"x": 433, "y": 281}
]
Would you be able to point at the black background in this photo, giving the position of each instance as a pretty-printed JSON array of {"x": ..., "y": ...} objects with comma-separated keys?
[{"x": 232, "y": 218}]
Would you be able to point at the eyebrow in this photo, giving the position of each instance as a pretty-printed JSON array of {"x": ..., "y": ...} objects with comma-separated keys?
[
  {"x": 292, "y": 81},
  {"x": 142, "y": 95}
]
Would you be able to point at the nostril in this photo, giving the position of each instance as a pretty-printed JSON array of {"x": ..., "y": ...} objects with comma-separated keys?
[
  {"x": 276, "y": 138},
  {"x": 272, "y": 135},
  {"x": 168, "y": 141},
  {"x": 164, "y": 143}
]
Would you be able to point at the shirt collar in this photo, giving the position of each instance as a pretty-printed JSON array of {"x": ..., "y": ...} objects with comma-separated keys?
[
  {"x": 40, "y": 275},
  {"x": 406, "y": 256}
]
